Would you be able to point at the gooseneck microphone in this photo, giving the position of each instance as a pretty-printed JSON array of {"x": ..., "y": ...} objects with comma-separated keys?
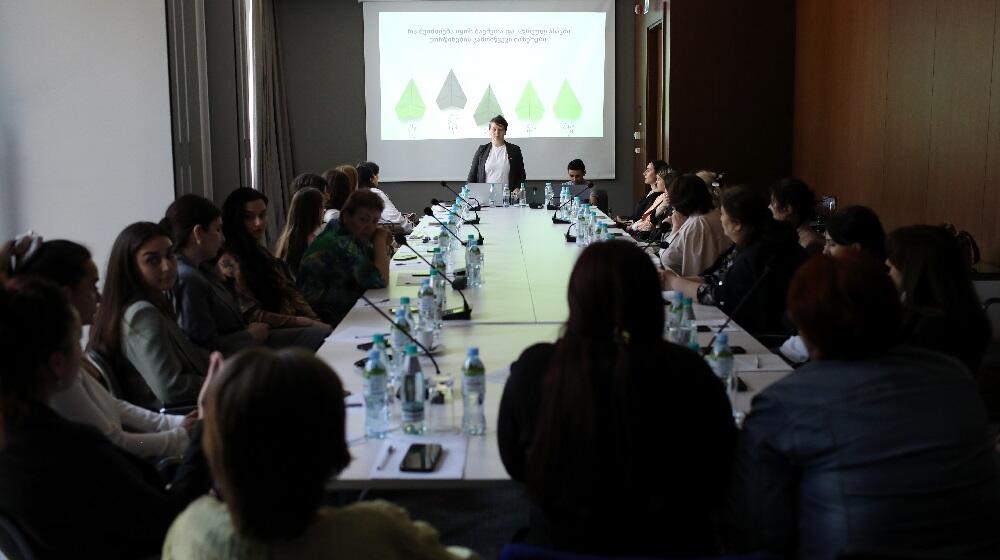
[
  {"x": 472, "y": 223},
  {"x": 429, "y": 212},
  {"x": 463, "y": 313},
  {"x": 569, "y": 199},
  {"x": 478, "y": 206},
  {"x": 427, "y": 351}
]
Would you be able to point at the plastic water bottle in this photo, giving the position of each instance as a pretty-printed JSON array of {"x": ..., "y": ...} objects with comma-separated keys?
[
  {"x": 427, "y": 306},
  {"x": 400, "y": 327},
  {"x": 438, "y": 284},
  {"x": 414, "y": 421},
  {"x": 581, "y": 226},
  {"x": 721, "y": 358},
  {"x": 473, "y": 394},
  {"x": 411, "y": 318},
  {"x": 376, "y": 395},
  {"x": 689, "y": 332},
  {"x": 688, "y": 310},
  {"x": 548, "y": 195},
  {"x": 379, "y": 343},
  {"x": 506, "y": 195},
  {"x": 523, "y": 196},
  {"x": 437, "y": 259},
  {"x": 474, "y": 263},
  {"x": 493, "y": 195},
  {"x": 444, "y": 240},
  {"x": 676, "y": 310}
]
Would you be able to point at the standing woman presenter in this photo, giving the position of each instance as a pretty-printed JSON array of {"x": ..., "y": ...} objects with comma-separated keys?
[{"x": 498, "y": 161}]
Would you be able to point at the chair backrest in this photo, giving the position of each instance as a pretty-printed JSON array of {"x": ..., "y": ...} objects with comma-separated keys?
[
  {"x": 988, "y": 288},
  {"x": 108, "y": 378},
  {"x": 518, "y": 551},
  {"x": 13, "y": 542}
]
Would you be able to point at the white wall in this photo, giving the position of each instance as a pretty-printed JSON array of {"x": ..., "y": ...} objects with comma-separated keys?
[{"x": 85, "y": 144}]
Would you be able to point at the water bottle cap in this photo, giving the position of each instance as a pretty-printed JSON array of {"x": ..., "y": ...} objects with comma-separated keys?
[
  {"x": 688, "y": 301},
  {"x": 373, "y": 354},
  {"x": 378, "y": 339},
  {"x": 434, "y": 272},
  {"x": 411, "y": 349},
  {"x": 472, "y": 236},
  {"x": 405, "y": 300},
  {"x": 473, "y": 351},
  {"x": 722, "y": 339},
  {"x": 436, "y": 250},
  {"x": 694, "y": 347}
]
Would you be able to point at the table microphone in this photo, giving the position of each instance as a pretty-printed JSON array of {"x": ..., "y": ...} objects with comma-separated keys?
[
  {"x": 427, "y": 352},
  {"x": 463, "y": 313},
  {"x": 479, "y": 205},
  {"x": 739, "y": 306},
  {"x": 429, "y": 212},
  {"x": 472, "y": 223},
  {"x": 569, "y": 199}
]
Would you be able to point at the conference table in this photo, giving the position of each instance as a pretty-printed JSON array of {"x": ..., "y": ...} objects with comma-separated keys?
[{"x": 527, "y": 265}]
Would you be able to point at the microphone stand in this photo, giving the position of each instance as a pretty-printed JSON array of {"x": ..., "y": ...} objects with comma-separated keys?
[
  {"x": 427, "y": 352},
  {"x": 564, "y": 203},
  {"x": 428, "y": 212},
  {"x": 472, "y": 223},
  {"x": 479, "y": 205},
  {"x": 465, "y": 312}
]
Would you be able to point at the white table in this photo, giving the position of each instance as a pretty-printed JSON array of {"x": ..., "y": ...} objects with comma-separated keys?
[{"x": 523, "y": 301}]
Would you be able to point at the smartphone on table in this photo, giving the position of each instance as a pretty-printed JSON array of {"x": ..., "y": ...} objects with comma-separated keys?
[{"x": 421, "y": 458}]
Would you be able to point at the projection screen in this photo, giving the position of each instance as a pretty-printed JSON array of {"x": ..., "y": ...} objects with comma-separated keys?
[{"x": 436, "y": 72}]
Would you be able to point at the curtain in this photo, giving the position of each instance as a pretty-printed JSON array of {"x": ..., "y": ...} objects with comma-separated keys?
[{"x": 274, "y": 144}]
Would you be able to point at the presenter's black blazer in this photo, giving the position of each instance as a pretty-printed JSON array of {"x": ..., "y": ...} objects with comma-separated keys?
[{"x": 477, "y": 172}]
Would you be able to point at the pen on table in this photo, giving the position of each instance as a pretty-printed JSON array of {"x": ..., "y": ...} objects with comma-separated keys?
[
  {"x": 385, "y": 460},
  {"x": 353, "y": 404}
]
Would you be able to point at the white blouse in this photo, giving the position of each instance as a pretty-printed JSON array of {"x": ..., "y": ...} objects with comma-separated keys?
[
  {"x": 498, "y": 166},
  {"x": 391, "y": 214},
  {"x": 695, "y": 245},
  {"x": 134, "y": 429}
]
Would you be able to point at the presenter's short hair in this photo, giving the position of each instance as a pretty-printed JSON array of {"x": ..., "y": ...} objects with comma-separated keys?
[
  {"x": 577, "y": 165},
  {"x": 499, "y": 121}
]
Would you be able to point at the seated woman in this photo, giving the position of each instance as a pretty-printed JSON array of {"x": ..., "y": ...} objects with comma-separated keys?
[
  {"x": 696, "y": 238},
  {"x": 391, "y": 216},
  {"x": 794, "y": 202},
  {"x": 851, "y": 230},
  {"x": 304, "y": 223},
  {"x": 349, "y": 257},
  {"x": 73, "y": 493},
  {"x": 307, "y": 180},
  {"x": 136, "y": 430},
  {"x": 589, "y": 407},
  {"x": 338, "y": 189},
  {"x": 658, "y": 209},
  {"x": 209, "y": 313},
  {"x": 244, "y": 223},
  {"x": 648, "y": 178},
  {"x": 135, "y": 327},
  {"x": 941, "y": 310},
  {"x": 764, "y": 251},
  {"x": 871, "y": 446},
  {"x": 272, "y": 473}
]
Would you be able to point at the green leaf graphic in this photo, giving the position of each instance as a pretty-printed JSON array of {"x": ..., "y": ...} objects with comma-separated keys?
[
  {"x": 488, "y": 108},
  {"x": 451, "y": 96},
  {"x": 411, "y": 106},
  {"x": 529, "y": 107},
  {"x": 567, "y": 107}
]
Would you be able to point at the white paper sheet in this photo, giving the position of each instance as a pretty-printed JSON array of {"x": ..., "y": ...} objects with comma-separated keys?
[
  {"x": 714, "y": 324},
  {"x": 451, "y": 466},
  {"x": 759, "y": 362}
]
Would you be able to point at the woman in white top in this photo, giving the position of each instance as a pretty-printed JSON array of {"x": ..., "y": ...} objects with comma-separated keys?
[
  {"x": 338, "y": 188},
  {"x": 136, "y": 430},
  {"x": 498, "y": 161},
  {"x": 696, "y": 239},
  {"x": 368, "y": 179},
  {"x": 657, "y": 211}
]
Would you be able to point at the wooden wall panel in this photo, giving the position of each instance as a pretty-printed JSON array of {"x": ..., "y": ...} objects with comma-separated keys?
[
  {"x": 812, "y": 114},
  {"x": 909, "y": 87},
  {"x": 963, "y": 62},
  {"x": 990, "y": 240}
]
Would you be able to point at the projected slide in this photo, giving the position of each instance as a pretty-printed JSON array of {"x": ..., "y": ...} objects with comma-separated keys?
[{"x": 444, "y": 75}]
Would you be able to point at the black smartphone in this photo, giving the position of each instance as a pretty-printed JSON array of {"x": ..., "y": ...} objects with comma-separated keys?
[{"x": 421, "y": 457}]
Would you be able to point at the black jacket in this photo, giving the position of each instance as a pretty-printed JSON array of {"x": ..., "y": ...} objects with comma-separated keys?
[
  {"x": 477, "y": 172},
  {"x": 893, "y": 453},
  {"x": 659, "y": 503},
  {"x": 77, "y": 495}
]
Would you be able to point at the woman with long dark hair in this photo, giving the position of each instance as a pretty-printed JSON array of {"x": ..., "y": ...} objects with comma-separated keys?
[
  {"x": 338, "y": 188},
  {"x": 210, "y": 313},
  {"x": 623, "y": 440},
  {"x": 941, "y": 310},
  {"x": 136, "y": 329},
  {"x": 70, "y": 490},
  {"x": 244, "y": 221},
  {"x": 304, "y": 223},
  {"x": 794, "y": 202},
  {"x": 696, "y": 237},
  {"x": 139, "y": 431},
  {"x": 761, "y": 246}
]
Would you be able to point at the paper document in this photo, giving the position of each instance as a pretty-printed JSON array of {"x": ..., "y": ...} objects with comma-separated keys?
[
  {"x": 714, "y": 324},
  {"x": 759, "y": 362},
  {"x": 451, "y": 466}
]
